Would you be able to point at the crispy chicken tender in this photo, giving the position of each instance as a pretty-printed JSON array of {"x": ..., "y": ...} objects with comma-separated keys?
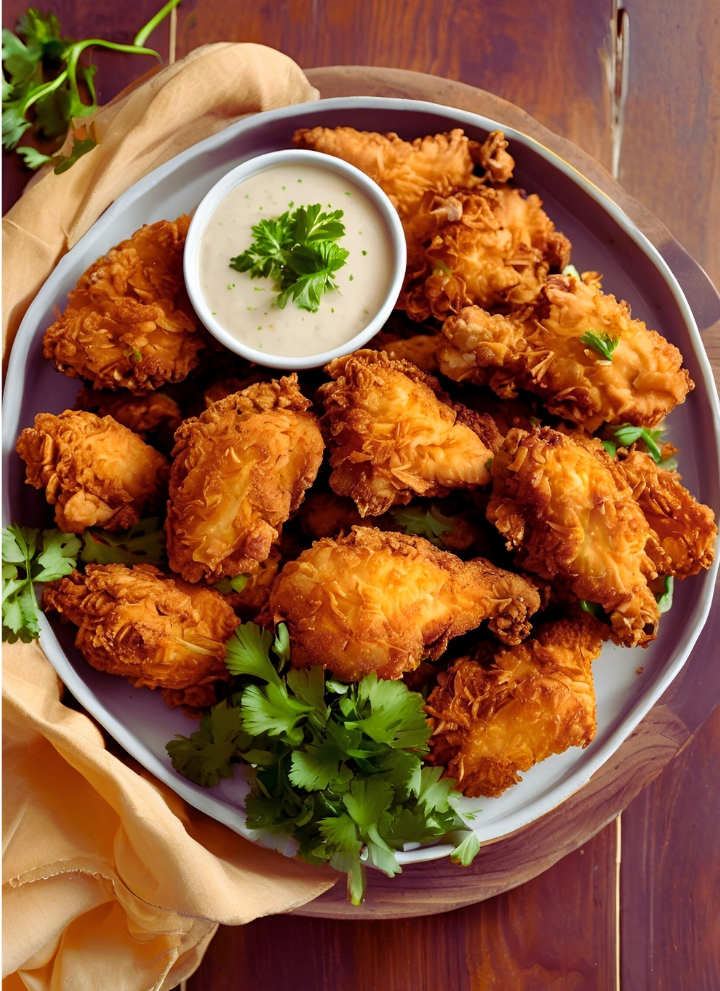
[
  {"x": 394, "y": 434},
  {"x": 142, "y": 414},
  {"x": 376, "y": 601},
  {"x": 496, "y": 251},
  {"x": 240, "y": 470},
  {"x": 129, "y": 323},
  {"x": 684, "y": 531},
  {"x": 94, "y": 470},
  {"x": 572, "y": 519},
  {"x": 254, "y": 596},
  {"x": 153, "y": 629},
  {"x": 539, "y": 349},
  {"x": 419, "y": 349},
  {"x": 533, "y": 700}
]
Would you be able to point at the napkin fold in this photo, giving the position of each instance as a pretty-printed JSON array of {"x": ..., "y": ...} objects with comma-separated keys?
[{"x": 109, "y": 879}]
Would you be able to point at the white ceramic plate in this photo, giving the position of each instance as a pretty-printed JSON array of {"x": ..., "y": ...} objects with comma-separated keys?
[{"x": 603, "y": 238}]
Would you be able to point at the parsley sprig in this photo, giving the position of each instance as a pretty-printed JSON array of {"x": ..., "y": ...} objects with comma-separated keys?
[
  {"x": 143, "y": 543},
  {"x": 601, "y": 342},
  {"x": 27, "y": 559},
  {"x": 627, "y": 435},
  {"x": 430, "y": 524},
  {"x": 336, "y": 767},
  {"x": 299, "y": 250}
]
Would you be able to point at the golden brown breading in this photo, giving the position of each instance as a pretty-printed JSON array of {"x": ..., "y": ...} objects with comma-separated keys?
[
  {"x": 240, "y": 470},
  {"x": 376, "y": 601},
  {"x": 141, "y": 414},
  {"x": 685, "y": 530},
  {"x": 534, "y": 700},
  {"x": 420, "y": 350},
  {"x": 153, "y": 629},
  {"x": 254, "y": 596},
  {"x": 129, "y": 323},
  {"x": 94, "y": 470},
  {"x": 571, "y": 516},
  {"x": 406, "y": 170},
  {"x": 539, "y": 349},
  {"x": 497, "y": 251},
  {"x": 394, "y": 434}
]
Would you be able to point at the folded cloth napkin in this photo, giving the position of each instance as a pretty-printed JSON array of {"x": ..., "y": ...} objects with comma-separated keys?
[{"x": 110, "y": 881}]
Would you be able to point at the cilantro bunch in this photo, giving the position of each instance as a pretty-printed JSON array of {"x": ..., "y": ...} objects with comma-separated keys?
[
  {"x": 299, "y": 250},
  {"x": 40, "y": 86},
  {"x": 336, "y": 767}
]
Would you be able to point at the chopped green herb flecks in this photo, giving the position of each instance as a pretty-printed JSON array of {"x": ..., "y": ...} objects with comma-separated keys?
[
  {"x": 430, "y": 523},
  {"x": 601, "y": 342},
  {"x": 364, "y": 252},
  {"x": 572, "y": 272},
  {"x": 665, "y": 599},
  {"x": 593, "y": 608},
  {"x": 610, "y": 447},
  {"x": 143, "y": 543},
  {"x": 627, "y": 435}
]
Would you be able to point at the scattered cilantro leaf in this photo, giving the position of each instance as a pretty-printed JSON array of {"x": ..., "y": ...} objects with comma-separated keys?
[
  {"x": 205, "y": 756},
  {"x": 601, "y": 342},
  {"x": 299, "y": 251},
  {"x": 28, "y": 559},
  {"x": 665, "y": 600},
  {"x": 430, "y": 524},
  {"x": 227, "y": 585},
  {"x": 143, "y": 543},
  {"x": 594, "y": 608},
  {"x": 627, "y": 435},
  {"x": 32, "y": 158},
  {"x": 465, "y": 853},
  {"x": 609, "y": 447}
]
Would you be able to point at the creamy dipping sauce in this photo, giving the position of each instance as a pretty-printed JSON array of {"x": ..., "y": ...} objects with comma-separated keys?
[{"x": 246, "y": 308}]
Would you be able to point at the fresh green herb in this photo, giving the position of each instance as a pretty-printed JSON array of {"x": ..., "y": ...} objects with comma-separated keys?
[
  {"x": 41, "y": 87},
  {"x": 299, "y": 251},
  {"x": 336, "y": 767},
  {"x": 227, "y": 585},
  {"x": 26, "y": 561},
  {"x": 430, "y": 524},
  {"x": 143, "y": 543},
  {"x": 627, "y": 435},
  {"x": 488, "y": 464},
  {"x": 440, "y": 266},
  {"x": 609, "y": 447},
  {"x": 594, "y": 608},
  {"x": 665, "y": 599},
  {"x": 572, "y": 272},
  {"x": 601, "y": 342}
]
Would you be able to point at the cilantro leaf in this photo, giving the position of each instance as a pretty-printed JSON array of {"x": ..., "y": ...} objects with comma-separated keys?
[
  {"x": 32, "y": 158},
  {"x": 143, "y": 543},
  {"x": 397, "y": 717},
  {"x": 205, "y": 756},
  {"x": 594, "y": 608},
  {"x": 601, "y": 342},
  {"x": 430, "y": 524},
  {"x": 466, "y": 851},
  {"x": 248, "y": 653},
  {"x": 318, "y": 766},
  {"x": 665, "y": 600},
  {"x": 227, "y": 585},
  {"x": 272, "y": 710},
  {"x": 627, "y": 435}
]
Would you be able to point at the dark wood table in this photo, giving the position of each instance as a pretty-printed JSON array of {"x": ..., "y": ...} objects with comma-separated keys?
[{"x": 639, "y": 89}]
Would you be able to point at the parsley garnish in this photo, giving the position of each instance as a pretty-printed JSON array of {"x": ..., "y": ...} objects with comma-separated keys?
[
  {"x": 336, "y": 767},
  {"x": 601, "y": 342},
  {"x": 26, "y": 561},
  {"x": 430, "y": 524},
  {"x": 143, "y": 543},
  {"x": 299, "y": 251},
  {"x": 627, "y": 435}
]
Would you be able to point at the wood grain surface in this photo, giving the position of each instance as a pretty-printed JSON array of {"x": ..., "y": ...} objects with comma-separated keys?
[{"x": 563, "y": 64}]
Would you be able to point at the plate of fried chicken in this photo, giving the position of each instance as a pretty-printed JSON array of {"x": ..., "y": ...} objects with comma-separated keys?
[{"x": 495, "y": 502}]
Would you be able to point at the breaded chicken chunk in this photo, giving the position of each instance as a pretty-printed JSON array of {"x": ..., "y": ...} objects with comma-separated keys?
[
  {"x": 530, "y": 701},
  {"x": 94, "y": 470},
  {"x": 540, "y": 349},
  {"x": 571, "y": 517},
  {"x": 129, "y": 323},
  {"x": 394, "y": 434},
  {"x": 377, "y": 601},
  {"x": 240, "y": 470},
  {"x": 153, "y": 629},
  {"x": 684, "y": 530},
  {"x": 143, "y": 415}
]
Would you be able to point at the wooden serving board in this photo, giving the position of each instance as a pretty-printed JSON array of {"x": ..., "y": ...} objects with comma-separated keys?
[{"x": 439, "y": 886}]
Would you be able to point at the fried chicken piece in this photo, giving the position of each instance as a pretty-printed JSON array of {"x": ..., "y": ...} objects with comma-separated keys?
[
  {"x": 406, "y": 170},
  {"x": 129, "y": 323},
  {"x": 534, "y": 700},
  {"x": 394, "y": 434},
  {"x": 254, "y": 596},
  {"x": 539, "y": 349},
  {"x": 684, "y": 531},
  {"x": 94, "y": 470},
  {"x": 571, "y": 516},
  {"x": 498, "y": 251},
  {"x": 375, "y": 601},
  {"x": 143, "y": 415},
  {"x": 153, "y": 629},
  {"x": 241, "y": 469},
  {"x": 420, "y": 350}
]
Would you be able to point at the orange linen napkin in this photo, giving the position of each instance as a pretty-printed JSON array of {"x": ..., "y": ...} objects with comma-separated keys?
[{"x": 110, "y": 880}]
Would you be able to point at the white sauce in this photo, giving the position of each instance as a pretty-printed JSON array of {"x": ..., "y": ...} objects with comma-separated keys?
[{"x": 245, "y": 307}]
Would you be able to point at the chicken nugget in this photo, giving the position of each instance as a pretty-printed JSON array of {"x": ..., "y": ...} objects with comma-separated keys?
[
  {"x": 94, "y": 470},
  {"x": 149, "y": 414},
  {"x": 378, "y": 601}
]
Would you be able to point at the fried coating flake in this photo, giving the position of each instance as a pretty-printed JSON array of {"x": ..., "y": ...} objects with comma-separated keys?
[
  {"x": 394, "y": 434},
  {"x": 533, "y": 700},
  {"x": 142, "y": 414},
  {"x": 571, "y": 517},
  {"x": 94, "y": 470},
  {"x": 539, "y": 349},
  {"x": 377, "y": 601},
  {"x": 241, "y": 469},
  {"x": 153, "y": 629},
  {"x": 129, "y": 323}
]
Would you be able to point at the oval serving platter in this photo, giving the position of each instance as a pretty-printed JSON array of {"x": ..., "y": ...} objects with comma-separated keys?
[{"x": 603, "y": 239}]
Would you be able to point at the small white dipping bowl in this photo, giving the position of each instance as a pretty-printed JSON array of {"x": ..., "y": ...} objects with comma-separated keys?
[{"x": 208, "y": 206}]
